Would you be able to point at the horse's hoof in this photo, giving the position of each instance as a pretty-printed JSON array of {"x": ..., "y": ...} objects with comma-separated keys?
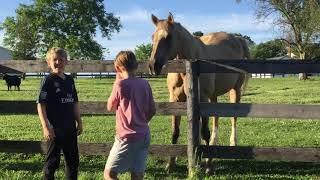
[{"x": 170, "y": 167}]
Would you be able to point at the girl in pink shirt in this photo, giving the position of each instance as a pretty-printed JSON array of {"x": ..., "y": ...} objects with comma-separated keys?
[{"x": 131, "y": 98}]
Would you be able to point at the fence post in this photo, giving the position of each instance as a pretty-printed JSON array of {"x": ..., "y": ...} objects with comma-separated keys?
[{"x": 193, "y": 112}]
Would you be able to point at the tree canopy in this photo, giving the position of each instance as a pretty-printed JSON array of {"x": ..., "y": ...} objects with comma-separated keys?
[
  {"x": 143, "y": 51},
  {"x": 269, "y": 49},
  {"x": 68, "y": 24},
  {"x": 298, "y": 20}
]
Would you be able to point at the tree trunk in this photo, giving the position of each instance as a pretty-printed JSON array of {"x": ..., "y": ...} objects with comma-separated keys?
[{"x": 302, "y": 76}]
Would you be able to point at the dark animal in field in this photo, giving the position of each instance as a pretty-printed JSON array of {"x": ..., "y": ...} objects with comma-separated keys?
[{"x": 12, "y": 80}]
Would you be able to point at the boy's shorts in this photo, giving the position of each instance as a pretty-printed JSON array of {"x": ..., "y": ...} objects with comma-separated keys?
[{"x": 128, "y": 156}]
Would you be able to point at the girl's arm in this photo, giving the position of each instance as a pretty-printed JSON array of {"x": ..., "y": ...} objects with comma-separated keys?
[
  {"x": 113, "y": 100},
  {"x": 152, "y": 106}
]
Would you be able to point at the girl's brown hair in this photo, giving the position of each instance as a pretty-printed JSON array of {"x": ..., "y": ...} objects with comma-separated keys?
[{"x": 126, "y": 59}]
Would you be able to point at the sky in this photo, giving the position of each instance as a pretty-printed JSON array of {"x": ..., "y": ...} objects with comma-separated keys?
[{"x": 201, "y": 15}]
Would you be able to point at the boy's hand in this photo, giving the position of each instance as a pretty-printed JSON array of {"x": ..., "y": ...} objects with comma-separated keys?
[
  {"x": 79, "y": 129},
  {"x": 48, "y": 134}
]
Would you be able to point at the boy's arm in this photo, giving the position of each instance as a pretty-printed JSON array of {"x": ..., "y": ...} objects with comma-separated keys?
[
  {"x": 78, "y": 118},
  {"x": 48, "y": 132}
]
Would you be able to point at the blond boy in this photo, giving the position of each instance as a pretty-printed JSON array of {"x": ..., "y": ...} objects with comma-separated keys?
[{"x": 59, "y": 115}]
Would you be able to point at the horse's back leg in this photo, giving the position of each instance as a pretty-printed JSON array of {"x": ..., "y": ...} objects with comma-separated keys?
[
  {"x": 205, "y": 132},
  {"x": 214, "y": 136},
  {"x": 234, "y": 96}
]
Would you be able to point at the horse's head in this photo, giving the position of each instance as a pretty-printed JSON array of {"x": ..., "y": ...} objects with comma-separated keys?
[{"x": 163, "y": 44}]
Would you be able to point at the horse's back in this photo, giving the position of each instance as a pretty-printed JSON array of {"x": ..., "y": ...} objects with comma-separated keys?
[{"x": 222, "y": 45}]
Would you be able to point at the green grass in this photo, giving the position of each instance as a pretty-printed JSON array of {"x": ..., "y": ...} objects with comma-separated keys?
[{"x": 260, "y": 132}]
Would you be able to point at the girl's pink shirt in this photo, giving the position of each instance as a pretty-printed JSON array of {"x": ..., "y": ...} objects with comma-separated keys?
[{"x": 133, "y": 101}]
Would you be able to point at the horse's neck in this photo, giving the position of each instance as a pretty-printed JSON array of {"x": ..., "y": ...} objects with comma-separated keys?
[{"x": 189, "y": 46}]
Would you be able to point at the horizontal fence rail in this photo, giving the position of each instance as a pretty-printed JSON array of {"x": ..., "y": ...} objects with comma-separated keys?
[
  {"x": 251, "y": 66},
  {"x": 224, "y": 152},
  {"x": 290, "y": 111},
  {"x": 11, "y": 146},
  {"x": 74, "y": 66},
  {"x": 93, "y": 107},
  {"x": 304, "y": 154}
]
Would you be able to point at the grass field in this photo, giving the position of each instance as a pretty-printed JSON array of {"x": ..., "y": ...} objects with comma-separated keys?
[{"x": 251, "y": 132}]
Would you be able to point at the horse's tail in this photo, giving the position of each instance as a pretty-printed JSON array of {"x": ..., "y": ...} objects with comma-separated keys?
[
  {"x": 244, "y": 85},
  {"x": 246, "y": 55},
  {"x": 245, "y": 48}
]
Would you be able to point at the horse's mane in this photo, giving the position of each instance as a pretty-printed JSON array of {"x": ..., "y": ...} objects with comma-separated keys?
[{"x": 182, "y": 30}]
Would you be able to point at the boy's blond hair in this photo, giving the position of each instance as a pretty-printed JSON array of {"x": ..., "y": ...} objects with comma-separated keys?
[
  {"x": 126, "y": 59},
  {"x": 56, "y": 51}
]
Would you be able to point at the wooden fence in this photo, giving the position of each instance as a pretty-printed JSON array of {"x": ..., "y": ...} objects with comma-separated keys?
[{"x": 195, "y": 109}]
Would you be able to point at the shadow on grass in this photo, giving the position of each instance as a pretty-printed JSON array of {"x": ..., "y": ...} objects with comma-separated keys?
[{"x": 156, "y": 167}]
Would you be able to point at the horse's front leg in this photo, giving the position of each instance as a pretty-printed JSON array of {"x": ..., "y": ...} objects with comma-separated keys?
[{"x": 174, "y": 140}]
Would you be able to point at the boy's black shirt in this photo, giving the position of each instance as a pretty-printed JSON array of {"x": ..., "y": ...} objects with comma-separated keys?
[{"x": 59, "y": 95}]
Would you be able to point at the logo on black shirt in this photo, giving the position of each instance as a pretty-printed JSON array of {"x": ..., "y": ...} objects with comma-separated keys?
[{"x": 68, "y": 99}]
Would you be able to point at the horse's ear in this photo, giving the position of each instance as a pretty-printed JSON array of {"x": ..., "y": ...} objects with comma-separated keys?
[
  {"x": 170, "y": 18},
  {"x": 154, "y": 19}
]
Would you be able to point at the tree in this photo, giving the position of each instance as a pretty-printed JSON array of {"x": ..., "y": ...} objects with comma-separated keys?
[
  {"x": 313, "y": 51},
  {"x": 298, "y": 20},
  {"x": 269, "y": 49},
  {"x": 65, "y": 23},
  {"x": 143, "y": 52},
  {"x": 247, "y": 38},
  {"x": 21, "y": 36},
  {"x": 198, "y": 33}
]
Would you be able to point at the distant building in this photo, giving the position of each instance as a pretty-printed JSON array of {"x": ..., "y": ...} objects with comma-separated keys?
[
  {"x": 5, "y": 54},
  {"x": 269, "y": 75}
]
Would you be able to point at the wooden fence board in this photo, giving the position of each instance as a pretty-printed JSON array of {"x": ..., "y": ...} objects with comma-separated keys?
[
  {"x": 305, "y": 154},
  {"x": 89, "y": 107},
  {"x": 261, "y": 110},
  {"x": 15, "y": 146},
  {"x": 290, "y": 111},
  {"x": 38, "y": 66},
  {"x": 251, "y": 66}
]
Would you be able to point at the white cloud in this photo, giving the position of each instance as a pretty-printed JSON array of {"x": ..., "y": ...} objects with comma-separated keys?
[
  {"x": 242, "y": 23},
  {"x": 137, "y": 14}
]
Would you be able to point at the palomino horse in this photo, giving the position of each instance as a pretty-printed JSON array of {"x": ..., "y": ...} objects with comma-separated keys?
[{"x": 171, "y": 40}]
